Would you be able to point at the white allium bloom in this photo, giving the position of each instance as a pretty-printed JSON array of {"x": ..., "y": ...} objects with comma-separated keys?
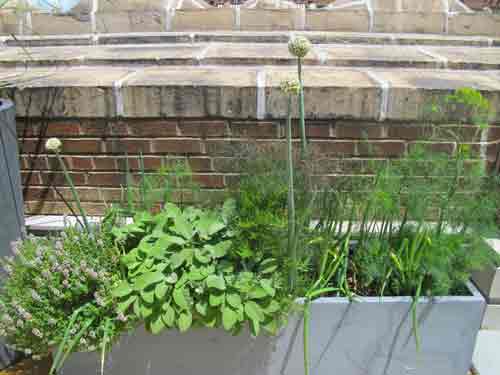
[
  {"x": 53, "y": 144},
  {"x": 290, "y": 87},
  {"x": 299, "y": 46}
]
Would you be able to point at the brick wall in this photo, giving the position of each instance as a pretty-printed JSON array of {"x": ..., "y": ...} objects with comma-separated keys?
[{"x": 95, "y": 150}]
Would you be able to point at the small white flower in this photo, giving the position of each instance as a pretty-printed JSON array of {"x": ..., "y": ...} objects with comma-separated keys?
[{"x": 53, "y": 144}]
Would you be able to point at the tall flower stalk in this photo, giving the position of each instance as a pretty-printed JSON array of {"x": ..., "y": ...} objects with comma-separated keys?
[
  {"x": 300, "y": 47},
  {"x": 54, "y": 145},
  {"x": 291, "y": 88}
]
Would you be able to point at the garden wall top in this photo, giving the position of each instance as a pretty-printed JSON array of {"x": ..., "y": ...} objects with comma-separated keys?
[{"x": 25, "y": 17}]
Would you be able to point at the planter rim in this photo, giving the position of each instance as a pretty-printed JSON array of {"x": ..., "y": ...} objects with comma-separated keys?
[{"x": 475, "y": 297}]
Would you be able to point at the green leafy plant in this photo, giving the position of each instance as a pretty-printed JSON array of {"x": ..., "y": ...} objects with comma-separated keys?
[{"x": 185, "y": 272}]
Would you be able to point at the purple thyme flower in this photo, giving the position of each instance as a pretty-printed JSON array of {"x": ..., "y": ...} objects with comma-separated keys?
[
  {"x": 59, "y": 245},
  {"x": 35, "y": 295},
  {"x": 15, "y": 247},
  {"x": 92, "y": 274},
  {"x": 19, "y": 323},
  {"x": 121, "y": 317}
]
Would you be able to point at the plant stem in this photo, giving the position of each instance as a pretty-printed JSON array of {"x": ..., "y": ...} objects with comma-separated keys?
[
  {"x": 73, "y": 192},
  {"x": 302, "y": 112},
  {"x": 292, "y": 251}
]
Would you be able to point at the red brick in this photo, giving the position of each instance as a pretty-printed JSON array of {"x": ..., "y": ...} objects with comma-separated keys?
[
  {"x": 31, "y": 145},
  {"x": 95, "y": 128},
  {"x": 408, "y": 132},
  {"x": 38, "y": 193},
  {"x": 493, "y": 151},
  {"x": 177, "y": 146},
  {"x": 128, "y": 146},
  {"x": 88, "y": 194},
  {"x": 29, "y": 178},
  {"x": 203, "y": 129},
  {"x": 82, "y": 146},
  {"x": 358, "y": 130},
  {"x": 81, "y": 163},
  {"x": 63, "y": 129},
  {"x": 105, "y": 163},
  {"x": 333, "y": 148},
  {"x": 59, "y": 208},
  {"x": 33, "y": 162},
  {"x": 26, "y": 128},
  {"x": 214, "y": 181},
  {"x": 152, "y": 128},
  {"x": 59, "y": 179},
  {"x": 200, "y": 164},
  {"x": 446, "y": 147},
  {"x": 255, "y": 129},
  {"x": 106, "y": 179},
  {"x": 381, "y": 148},
  {"x": 313, "y": 130},
  {"x": 494, "y": 133}
]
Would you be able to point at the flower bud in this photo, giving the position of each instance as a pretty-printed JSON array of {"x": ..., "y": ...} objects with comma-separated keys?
[{"x": 299, "y": 46}]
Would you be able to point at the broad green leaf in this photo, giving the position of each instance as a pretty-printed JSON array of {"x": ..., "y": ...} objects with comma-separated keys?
[
  {"x": 130, "y": 258},
  {"x": 219, "y": 250},
  {"x": 157, "y": 325},
  {"x": 254, "y": 327},
  {"x": 202, "y": 256},
  {"x": 172, "y": 278},
  {"x": 183, "y": 227},
  {"x": 183, "y": 256},
  {"x": 195, "y": 275},
  {"x": 268, "y": 266},
  {"x": 184, "y": 321},
  {"x": 226, "y": 266},
  {"x": 267, "y": 286},
  {"x": 202, "y": 308},
  {"x": 148, "y": 297},
  {"x": 137, "y": 308},
  {"x": 216, "y": 299},
  {"x": 254, "y": 311},
  {"x": 216, "y": 282},
  {"x": 257, "y": 292},
  {"x": 272, "y": 327},
  {"x": 146, "y": 311},
  {"x": 272, "y": 307},
  {"x": 209, "y": 224},
  {"x": 125, "y": 305},
  {"x": 123, "y": 289},
  {"x": 161, "y": 290},
  {"x": 180, "y": 298},
  {"x": 168, "y": 315},
  {"x": 234, "y": 300},
  {"x": 171, "y": 210},
  {"x": 147, "y": 279},
  {"x": 229, "y": 318}
]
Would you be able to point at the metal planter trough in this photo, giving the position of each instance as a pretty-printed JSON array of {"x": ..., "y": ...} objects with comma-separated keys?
[{"x": 371, "y": 336}]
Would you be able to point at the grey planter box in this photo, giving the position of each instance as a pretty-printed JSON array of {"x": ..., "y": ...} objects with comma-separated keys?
[
  {"x": 488, "y": 279},
  {"x": 369, "y": 337},
  {"x": 11, "y": 203}
]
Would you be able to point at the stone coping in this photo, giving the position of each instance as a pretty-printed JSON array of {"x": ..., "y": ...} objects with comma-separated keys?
[
  {"x": 243, "y": 92},
  {"x": 354, "y": 19},
  {"x": 254, "y": 54},
  {"x": 316, "y": 37}
]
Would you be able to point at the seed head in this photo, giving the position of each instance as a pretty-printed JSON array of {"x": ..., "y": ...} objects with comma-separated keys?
[
  {"x": 53, "y": 144},
  {"x": 290, "y": 87},
  {"x": 299, "y": 46}
]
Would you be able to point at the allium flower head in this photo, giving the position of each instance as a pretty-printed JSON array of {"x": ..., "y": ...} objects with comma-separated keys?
[
  {"x": 53, "y": 144},
  {"x": 299, "y": 46},
  {"x": 290, "y": 87},
  {"x": 37, "y": 332}
]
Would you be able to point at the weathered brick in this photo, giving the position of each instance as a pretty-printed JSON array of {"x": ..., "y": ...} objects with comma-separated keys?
[
  {"x": 128, "y": 146},
  {"x": 29, "y": 178},
  {"x": 82, "y": 146},
  {"x": 359, "y": 130},
  {"x": 333, "y": 147},
  {"x": 106, "y": 179},
  {"x": 58, "y": 178},
  {"x": 38, "y": 193},
  {"x": 408, "y": 132},
  {"x": 33, "y": 161},
  {"x": 213, "y": 181},
  {"x": 257, "y": 129},
  {"x": 95, "y": 128},
  {"x": 316, "y": 129},
  {"x": 381, "y": 148},
  {"x": 63, "y": 129},
  {"x": 180, "y": 146},
  {"x": 152, "y": 128},
  {"x": 494, "y": 133},
  {"x": 446, "y": 147},
  {"x": 203, "y": 129},
  {"x": 81, "y": 163},
  {"x": 104, "y": 163}
]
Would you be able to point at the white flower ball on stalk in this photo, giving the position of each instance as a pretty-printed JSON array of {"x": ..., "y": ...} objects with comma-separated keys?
[
  {"x": 290, "y": 87},
  {"x": 299, "y": 46},
  {"x": 53, "y": 144}
]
